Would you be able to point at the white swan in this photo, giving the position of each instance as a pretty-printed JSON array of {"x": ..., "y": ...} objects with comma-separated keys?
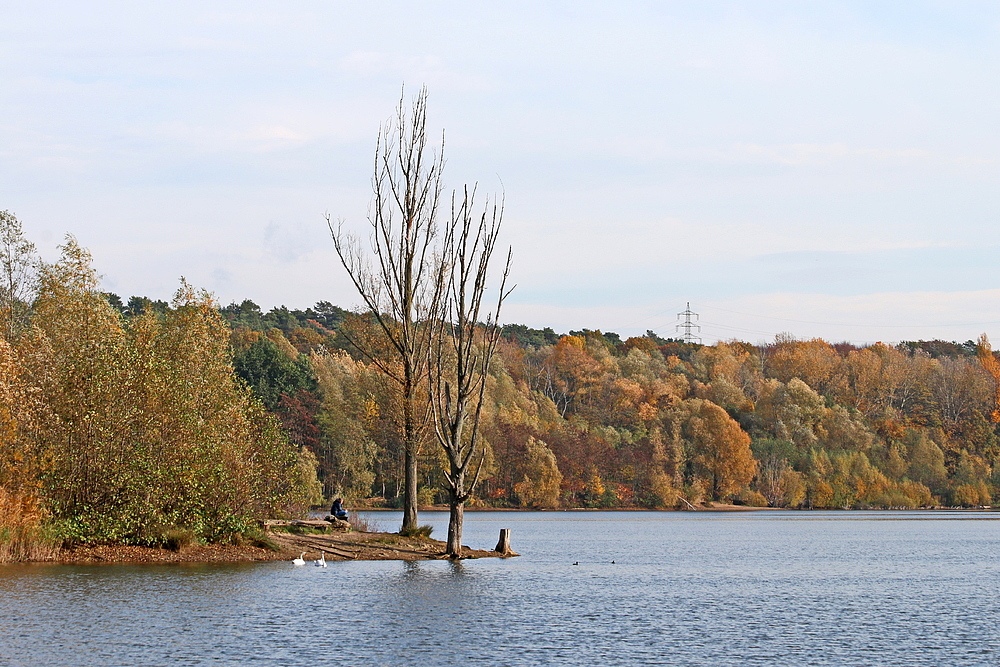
[
  {"x": 300, "y": 560},
  {"x": 321, "y": 562}
]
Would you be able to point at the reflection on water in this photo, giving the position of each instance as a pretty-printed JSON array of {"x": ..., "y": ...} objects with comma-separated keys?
[{"x": 762, "y": 588}]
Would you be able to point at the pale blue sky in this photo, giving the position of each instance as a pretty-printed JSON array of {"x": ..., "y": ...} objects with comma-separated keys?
[{"x": 822, "y": 168}]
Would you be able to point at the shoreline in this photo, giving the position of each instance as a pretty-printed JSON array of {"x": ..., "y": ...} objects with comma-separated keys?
[
  {"x": 715, "y": 507},
  {"x": 712, "y": 507},
  {"x": 355, "y": 546}
]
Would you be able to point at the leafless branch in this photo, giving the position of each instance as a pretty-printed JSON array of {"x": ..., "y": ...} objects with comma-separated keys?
[
  {"x": 399, "y": 274},
  {"x": 463, "y": 347}
]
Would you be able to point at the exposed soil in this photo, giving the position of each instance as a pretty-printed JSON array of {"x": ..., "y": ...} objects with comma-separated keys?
[
  {"x": 209, "y": 553},
  {"x": 334, "y": 547},
  {"x": 714, "y": 506},
  {"x": 369, "y": 546}
]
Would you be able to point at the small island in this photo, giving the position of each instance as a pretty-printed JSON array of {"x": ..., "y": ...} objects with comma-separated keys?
[
  {"x": 339, "y": 547},
  {"x": 281, "y": 540}
]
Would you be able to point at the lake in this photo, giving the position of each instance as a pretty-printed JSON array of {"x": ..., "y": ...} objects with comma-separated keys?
[{"x": 685, "y": 588}]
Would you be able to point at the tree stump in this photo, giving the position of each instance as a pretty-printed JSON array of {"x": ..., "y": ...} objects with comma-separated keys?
[{"x": 503, "y": 545}]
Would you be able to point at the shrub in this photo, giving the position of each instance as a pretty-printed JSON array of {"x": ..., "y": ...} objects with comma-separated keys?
[
  {"x": 751, "y": 498},
  {"x": 419, "y": 531},
  {"x": 364, "y": 524},
  {"x": 178, "y": 538}
]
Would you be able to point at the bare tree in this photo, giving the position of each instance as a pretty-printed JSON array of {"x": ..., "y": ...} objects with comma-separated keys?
[
  {"x": 399, "y": 276},
  {"x": 463, "y": 348}
]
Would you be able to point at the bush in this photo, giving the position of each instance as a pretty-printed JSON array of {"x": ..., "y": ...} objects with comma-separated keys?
[
  {"x": 419, "y": 531},
  {"x": 262, "y": 541},
  {"x": 178, "y": 538},
  {"x": 893, "y": 499},
  {"x": 751, "y": 498}
]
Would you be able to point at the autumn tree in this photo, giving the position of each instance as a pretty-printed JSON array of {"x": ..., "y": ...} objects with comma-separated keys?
[
  {"x": 568, "y": 373},
  {"x": 925, "y": 460},
  {"x": 660, "y": 478},
  {"x": 229, "y": 464},
  {"x": 779, "y": 483},
  {"x": 146, "y": 428},
  {"x": 814, "y": 362},
  {"x": 989, "y": 362},
  {"x": 21, "y": 462},
  {"x": 962, "y": 392},
  {"x": 346, "y": 419},
  {"x": 719, "y": 449},
  {"x": 78, "y": 357},
  {"x": 541, "y": 484}
]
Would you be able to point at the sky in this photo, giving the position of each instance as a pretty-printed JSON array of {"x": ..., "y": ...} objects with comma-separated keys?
[{"x": 820, "y": 169}]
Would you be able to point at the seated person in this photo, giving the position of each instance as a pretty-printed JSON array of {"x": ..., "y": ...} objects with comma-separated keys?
[{"x": 337, "y": 510}]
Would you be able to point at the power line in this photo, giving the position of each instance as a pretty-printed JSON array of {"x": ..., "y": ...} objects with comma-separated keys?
[
  {"x": 645, "y": 318},
  {"x": 867, "y": 326},
  {"x": 689, "y": 325},
  {"x": 716, "y": 325}
]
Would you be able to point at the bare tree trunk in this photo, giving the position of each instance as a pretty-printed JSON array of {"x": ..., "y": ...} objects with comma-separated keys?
[
  {"x": 503, "y": 544},
  {"x": 400, "y": 278},
  {"x": 456, "y": 518},
  {"x": 410, "y": 448},
  {"x": 463, "y": 348}
]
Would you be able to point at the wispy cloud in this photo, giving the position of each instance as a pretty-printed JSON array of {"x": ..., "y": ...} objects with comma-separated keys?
[
  {"x": 215, "y": 138},
  {"x": 378, "y": 63},
  {"x": 651, "y": 153},
  {"x": 817, "y": 154}
]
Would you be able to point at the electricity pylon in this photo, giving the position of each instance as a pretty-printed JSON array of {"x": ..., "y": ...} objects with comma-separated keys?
[{"x": 688, "y": 326}]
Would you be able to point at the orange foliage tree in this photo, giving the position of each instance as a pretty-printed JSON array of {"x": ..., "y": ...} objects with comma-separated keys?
[{"x": 989, "y": 362}]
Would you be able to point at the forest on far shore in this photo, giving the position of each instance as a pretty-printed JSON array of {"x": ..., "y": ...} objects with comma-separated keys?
[
  {"x": 146, "y": 422},
  {"x": 586, "y": 419}
]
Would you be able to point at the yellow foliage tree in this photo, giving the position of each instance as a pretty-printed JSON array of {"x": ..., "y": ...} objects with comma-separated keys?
[
  {"x": 542, "y": 481},
  {"x": 989, "y": 362},
  {"x": 719, "y": 449}
]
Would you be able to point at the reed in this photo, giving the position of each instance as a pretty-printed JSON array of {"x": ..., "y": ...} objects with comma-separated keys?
[
  {"x": 22, "y": 533},
  {"x": 363, "y": 524}
]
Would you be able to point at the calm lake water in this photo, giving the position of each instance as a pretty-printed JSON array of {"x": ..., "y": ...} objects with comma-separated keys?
[{"x": 755, "y": 588}]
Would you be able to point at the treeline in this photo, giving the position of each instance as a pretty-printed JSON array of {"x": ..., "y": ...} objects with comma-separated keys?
[
  {"x": 589, "y": 420},
  {"x": 130, "y": 421},
  {"x": 127, "y": 427}
]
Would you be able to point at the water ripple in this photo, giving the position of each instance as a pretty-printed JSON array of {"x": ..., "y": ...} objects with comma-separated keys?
[{"x": 775, "y": 588}]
